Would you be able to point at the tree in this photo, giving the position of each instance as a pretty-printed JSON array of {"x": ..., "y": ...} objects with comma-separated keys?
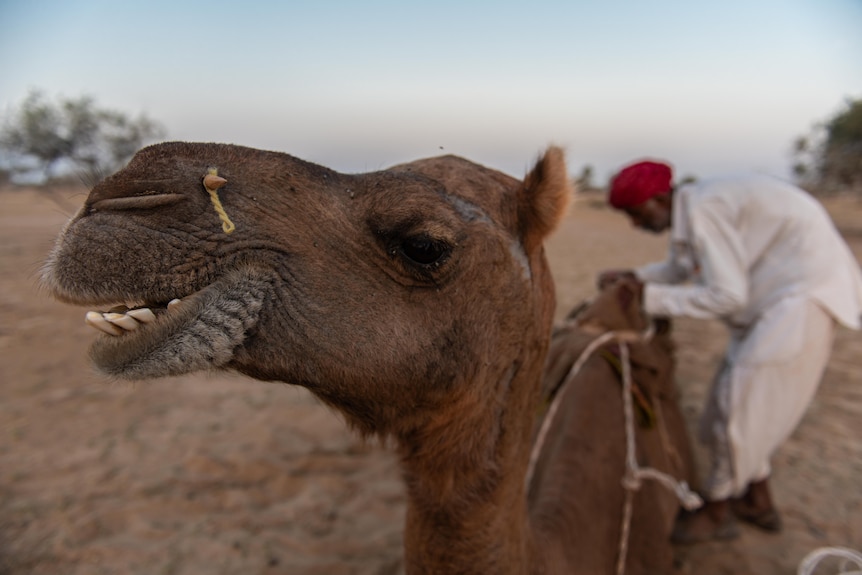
[
  {"x": 841, "y": 162},
  {"x": 72, "y": 131},
  {"x": 830, "y": 158},
  {"x": 584, "y": 182}
]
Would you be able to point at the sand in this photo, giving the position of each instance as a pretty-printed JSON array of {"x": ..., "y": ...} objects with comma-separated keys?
[{"x": 218, "y": 474}]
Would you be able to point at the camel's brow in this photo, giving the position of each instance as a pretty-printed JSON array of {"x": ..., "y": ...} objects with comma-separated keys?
[
  {"x": 520, "y": 256},
  {"x": 471, "y": 212},
  {"x": 467, "y": 210}
]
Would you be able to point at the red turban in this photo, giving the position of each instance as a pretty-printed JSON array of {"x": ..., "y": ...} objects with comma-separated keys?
[{"x": 639, "y": 182}]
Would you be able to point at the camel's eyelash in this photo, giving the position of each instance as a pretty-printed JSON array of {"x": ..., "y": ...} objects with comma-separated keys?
[
  {"x": 418, "y": 254},
  {"x": 423, "y": 251}
]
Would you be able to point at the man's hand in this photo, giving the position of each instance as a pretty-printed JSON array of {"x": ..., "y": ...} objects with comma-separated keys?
[{"x": 609, "y": 277}]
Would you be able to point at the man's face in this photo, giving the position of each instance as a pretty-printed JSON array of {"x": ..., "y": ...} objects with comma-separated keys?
[{"x": 653, "y": 215}]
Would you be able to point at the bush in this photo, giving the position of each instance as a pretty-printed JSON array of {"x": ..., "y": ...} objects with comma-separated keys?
[
  {"x": 830, "y": 159},
  {"x": 49, "y": 137}
]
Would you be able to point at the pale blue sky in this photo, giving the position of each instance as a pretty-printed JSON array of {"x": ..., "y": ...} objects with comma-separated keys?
[{"x": 710, "y": 86}]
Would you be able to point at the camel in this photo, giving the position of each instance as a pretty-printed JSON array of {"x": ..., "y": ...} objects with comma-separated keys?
[
  {"x": 416, "y": 301},
  {"x": 590, "y": 437}
]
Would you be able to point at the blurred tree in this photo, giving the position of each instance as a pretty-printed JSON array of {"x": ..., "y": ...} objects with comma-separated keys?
[
  {"x": 584, "y": 182},
  {"x": 829, "y": 159},
  {"x": 53, "y": 134}
]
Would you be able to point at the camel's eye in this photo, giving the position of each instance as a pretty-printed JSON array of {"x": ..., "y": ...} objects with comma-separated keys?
[
  {"x": 419, "y": 254},
  {"x": 423, "y": 250}
]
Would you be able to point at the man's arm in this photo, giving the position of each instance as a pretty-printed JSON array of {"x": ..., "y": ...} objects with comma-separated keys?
[
  {"x": 666, "y": 272},
  {"x": 723, "y": 286}
]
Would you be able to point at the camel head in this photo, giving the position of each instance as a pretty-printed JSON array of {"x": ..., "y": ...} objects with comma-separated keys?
[{"x": 371, "y": 290}]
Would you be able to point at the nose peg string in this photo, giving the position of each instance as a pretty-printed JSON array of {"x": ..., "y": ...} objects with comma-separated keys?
[{"x": 212, "y": 182}]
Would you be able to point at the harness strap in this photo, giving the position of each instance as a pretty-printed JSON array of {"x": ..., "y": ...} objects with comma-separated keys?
[{"x": 646, "y": 414}]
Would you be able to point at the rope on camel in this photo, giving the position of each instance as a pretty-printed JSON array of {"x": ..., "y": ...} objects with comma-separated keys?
[
  {"x": 555, "y": 403},
  {"x": 634, "y": 474},
  {"x": 810, "y": 562}
]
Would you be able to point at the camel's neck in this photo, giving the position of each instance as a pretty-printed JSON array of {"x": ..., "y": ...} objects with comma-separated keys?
[
  {"x": 465, "y": 473},
  {"x": 465, "y": 465}
]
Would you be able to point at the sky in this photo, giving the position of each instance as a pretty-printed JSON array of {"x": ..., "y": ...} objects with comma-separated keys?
[{"x": 711, "y": 87}]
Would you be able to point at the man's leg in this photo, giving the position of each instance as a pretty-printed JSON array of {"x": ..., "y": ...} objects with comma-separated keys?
[
  {"x": 758, "y": 397},
  {"x": 714, "y": 521},
  {"x": 755, "y": 506}
]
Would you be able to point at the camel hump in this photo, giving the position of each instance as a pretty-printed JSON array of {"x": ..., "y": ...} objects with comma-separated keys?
[{"x": 544, "y": 197}]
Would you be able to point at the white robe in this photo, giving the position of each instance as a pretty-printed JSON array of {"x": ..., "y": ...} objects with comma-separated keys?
[{"x": 765, "y": 257}]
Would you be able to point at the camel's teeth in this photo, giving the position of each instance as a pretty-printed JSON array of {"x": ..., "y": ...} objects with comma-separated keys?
[
  {"x": 142, "y": 314},
  {"x": 95, "y": 319},
  {"x": 124, "y": 321},
  {"x": 173, "y": 303}
]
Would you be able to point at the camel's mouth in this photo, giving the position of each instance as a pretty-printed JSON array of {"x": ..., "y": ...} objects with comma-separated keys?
[
  {"x": 202, "y": 330},
  {"x": 133, "y": 331},
  {"x": 124, "y": 319}
]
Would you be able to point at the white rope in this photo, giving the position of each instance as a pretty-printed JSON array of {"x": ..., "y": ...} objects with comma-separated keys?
[
  {"x": 631, "y": 482},
  {"x": 624, "y": 532},
  {"x": 634, "y": 473},
  {"x": 555, "y": 403},
  {"x": 690, "y": 500},
  {"x": 810, "y": 562}
]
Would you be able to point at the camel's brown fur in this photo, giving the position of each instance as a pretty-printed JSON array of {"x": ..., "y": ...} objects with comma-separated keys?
[{"x": 417, "y": 301}]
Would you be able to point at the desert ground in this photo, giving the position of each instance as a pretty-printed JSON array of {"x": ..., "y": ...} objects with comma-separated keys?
[{"x": 218, "y": 474}]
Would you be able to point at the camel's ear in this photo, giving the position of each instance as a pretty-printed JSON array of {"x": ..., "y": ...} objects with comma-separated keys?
[{"x": 543, "y": 198}]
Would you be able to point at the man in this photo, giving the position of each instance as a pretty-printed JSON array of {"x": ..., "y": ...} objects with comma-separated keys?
[{"x": 763, "y": 256}]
